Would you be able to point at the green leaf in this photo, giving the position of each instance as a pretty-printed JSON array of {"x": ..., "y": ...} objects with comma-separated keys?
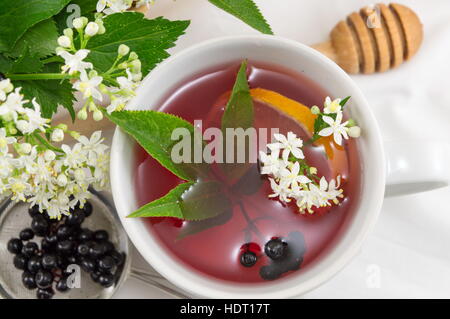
[
  {"x": 247, "y": 11},
  {"x": 239, "y": 113},
  {"x": 41, "y": 40},
  {"x": 166, "y": 206},
  {"x": 49, "y": 93},
  {"x": 5, "y": 64},
  {"x": 18, "y": 16},
  {"x": 26, "y": 63},
  {"x": 189, "y": 201},
  {"x": 344, "y": 101},
  {"x": 148, "y": 38},
  {"x": 239, "y": 110},
  {"x": 153, "y": 131}
]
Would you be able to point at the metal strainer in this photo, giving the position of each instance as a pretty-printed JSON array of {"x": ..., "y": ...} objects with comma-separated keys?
[{"x": 14, "y": 217}]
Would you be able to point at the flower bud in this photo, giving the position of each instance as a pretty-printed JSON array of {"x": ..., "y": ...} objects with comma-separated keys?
[
  {"x": 23, "y": 126},
  {"x": 354, "y": 131},
  {"x": 64, "y": 41},
  {"x": 82, "y": 114},
  {"x": 101, "y": 29},
  {"x": 313, "y": 170},
  {"x": 91, "y": 29},
  {"x": 62, "y": 180},
  {"x": 315, "y": 110},
  {"x": 79, "y": 23},
  {"x": 137, "y": 77},
  {"x": 98, "y": 115},
  {"x": 58, "y": 50},
  {"x": 133, "y": 56},
  {"x": 24, "y": 148},
  {"x": 351, "y": 122},
  {"x": 7, "y": 86},
  {"x": 74, "y": 134},
  {"x": 68, "y": 32},
  {"x": 123, "y": 65},
  {"x": 57, "y": 135},
  {"x": 93, "y": 74},
  {"x": 49, "y": 155},
  {"x": 135, "y": 66},
  {"x": 123, "y": 50}
]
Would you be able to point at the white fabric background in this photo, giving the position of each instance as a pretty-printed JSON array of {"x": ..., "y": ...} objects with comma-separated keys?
[{"x": 409, "y": 249}]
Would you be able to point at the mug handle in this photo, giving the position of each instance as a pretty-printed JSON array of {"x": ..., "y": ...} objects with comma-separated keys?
[{"x": 415, "y": 167}]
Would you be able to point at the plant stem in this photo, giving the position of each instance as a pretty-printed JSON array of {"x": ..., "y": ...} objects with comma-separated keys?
[
  {"x": 250, "y": 223},
  {"x": 52, "y": 59},
  {"x": 39, "y": 76}
]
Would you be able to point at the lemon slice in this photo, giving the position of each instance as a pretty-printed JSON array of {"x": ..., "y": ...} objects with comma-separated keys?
[{"x": 336, "y": 154}]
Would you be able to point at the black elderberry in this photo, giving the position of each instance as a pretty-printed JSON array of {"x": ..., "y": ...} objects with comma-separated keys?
[
  {"x": 106, "y": 280},
  {"x": 65, "y": 247},
  {"x": 47, "y": 293},
  {"x": 28, "y": 280},
  {"x": 64, "y": 231},
  {"x": 85, "y": 235},
  {"x": 44, "y": 279},
  {"x": 33, "y": 211},
  {"x": 83, "y": 249},
  {"x": 49, "y": 262},
  {"x": 20, "y": 261},
  {"x": 26, "y": 234},
  {"x": 15, "y": 245},
  {"x": 40, "y": 225},
  {"x": 248, "y": 259},
  {"x": 275, "y": 248},
  {"x": 87, "y": 264},
  {"x": 62, "y": 286},
  {"x": 107, "y": 264},
  {"x": 101, "y": 235},
  {"x": 34, "y": 264},
  {"x": 75, "y": 218},
  {"x": 118, "y": 257},
  {"x": 96, "y": 251},
  {"x": 30, "y": 249},
  {"x": 87, "y": 208}
]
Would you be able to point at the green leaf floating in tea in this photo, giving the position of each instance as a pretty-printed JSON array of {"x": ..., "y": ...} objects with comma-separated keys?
[
  {"x": 153, "y": 131},
  {"x": 188, "y": 201},
  {"x": 201, "y": 198},
  {"x": 238, "y": 115}
]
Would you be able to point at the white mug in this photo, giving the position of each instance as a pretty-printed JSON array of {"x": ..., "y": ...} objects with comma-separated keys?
[{"x": 406, "y": 168}]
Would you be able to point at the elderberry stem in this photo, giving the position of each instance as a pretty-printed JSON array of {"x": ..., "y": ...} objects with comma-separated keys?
[
  {"x": 250, "y": 223},
  {"x": 40, "y": 76}
]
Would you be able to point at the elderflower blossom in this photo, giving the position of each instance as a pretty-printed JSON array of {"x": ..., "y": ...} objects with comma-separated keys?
[
  {"x": 113, "y": 6},
  {"x": 293, "y": 179},
  {"x": 35, "y": 171},
  {"x": 115, "y": 86},
  {"x": 331, "y": 121}
]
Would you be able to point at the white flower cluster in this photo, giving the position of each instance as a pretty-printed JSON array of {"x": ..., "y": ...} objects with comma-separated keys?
[
  {"x": 118, "y": 83},
  {"x": 114, "y": 6},
  {"x": 33, "y": 170},
  {"x": 15, "y": 115},
  {"x": 332, "y": 116},
  {"x": 292, "y": 179}
]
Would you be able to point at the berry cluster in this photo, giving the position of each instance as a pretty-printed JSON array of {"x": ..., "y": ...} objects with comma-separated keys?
[
  {"x": 64, "y": 243},
  {"x": 285, "y": 254}
]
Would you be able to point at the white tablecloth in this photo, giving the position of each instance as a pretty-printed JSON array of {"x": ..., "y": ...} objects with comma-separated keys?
[{"x": 408, "y": 253}]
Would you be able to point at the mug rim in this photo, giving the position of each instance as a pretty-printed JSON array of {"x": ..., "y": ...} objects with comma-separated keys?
[{"x": 201, "y": 285}]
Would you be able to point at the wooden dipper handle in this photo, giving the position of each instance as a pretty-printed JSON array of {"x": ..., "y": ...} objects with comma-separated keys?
[{"x": 375, "y": 39}]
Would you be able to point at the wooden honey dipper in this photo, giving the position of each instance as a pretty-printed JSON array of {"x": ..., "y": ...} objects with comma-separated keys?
[{"x": 375, "y": 39}]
